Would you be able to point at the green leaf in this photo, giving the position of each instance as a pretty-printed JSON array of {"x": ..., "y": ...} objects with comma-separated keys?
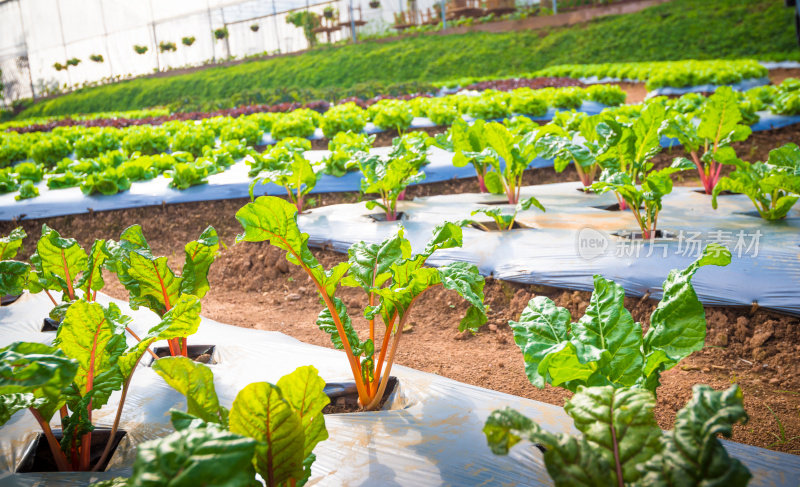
[
  {"x": 527, "y": 203},
  {"x": 618, "y": 424},
  {"x": 691, "y": 453},
  {"x": 195, "y": 457},
  {"x": 57, "y": 261},
  {"x": 720, "y": 115},
  {"x": 92, "y": 277},
  {"x": 13, "y": 276},
  {"x": 196, "y": 382},
  {"x": 678, "y": 324},
  {"x": 608, "y": 335},
  {"x": 94, "y": 336},
  {"x": 370, "y": 263},
  {"x": 200, "y": 254},
  {"x": 260, "y": 412},
  {"x": 326, "y": 323},
  {"x": 303, "y": 389},
  {"x": 36, "y": 368},
  {"x": 466, "y": 280},
  {"x": 179, "y": 322},
  {"x": 10, "y": 245},
  {"x": 494, "y": 182},
  {"x": 542, "y": 326},
  {"x": 154, "y": 285}
]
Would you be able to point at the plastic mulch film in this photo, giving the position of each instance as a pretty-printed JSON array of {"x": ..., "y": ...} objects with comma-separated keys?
[
  {"x": 743, "y": 85},
  {"x": 575, "y": 239},
  {"x": 428, "y": 434}
]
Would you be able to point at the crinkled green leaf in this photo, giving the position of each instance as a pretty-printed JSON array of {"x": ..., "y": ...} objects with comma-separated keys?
[
  {"x": 36, "y": 368},
  {"x": 195, "y": 457},
  {"x": 10, "y": 245},
  {"x": 466, "y": 280},
  {"x": 370, "y": 263},
  {"x": 678, "y": 324},
  {"x": 260, "y": 412},
  {"x": 542, "y": 326},
  {"x": 13, "y": 276},
  {"x": 691, "y": 453},
  {"x": 11, "y": 403},
  {"x": 196, "y": 382}
]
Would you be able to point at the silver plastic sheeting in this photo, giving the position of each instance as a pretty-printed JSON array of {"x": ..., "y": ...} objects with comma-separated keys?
[
  {"x": 743, "y": 85},
  {"x": 575, "y": 240},
  {"x": 428, "y": 434}
]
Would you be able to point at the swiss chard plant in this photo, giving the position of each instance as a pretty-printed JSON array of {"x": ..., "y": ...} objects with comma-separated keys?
[
  {"x": 388, "y": 272},
  {"x": 606, "y": 346},
  {"x": 469, "y": 145},
  {"x": 583, "y": 147},
  {"x": 622, "y": 445},
  {"x": 773, "y": 186},
  {"x": 88, "y": 361},
  {"x": 388, "y": 178},
  {"x": 628, "y": 169},
  {"x": 512, "y": 154},
  {"x": 13, "y": 273},
  {"x": 719, "y": 127},
  {"x": 504, "y": 221},
  {"x": 296, "y": 176},
  {"x": 283, "y": 422},
  {"x": 149, "y": 279}
]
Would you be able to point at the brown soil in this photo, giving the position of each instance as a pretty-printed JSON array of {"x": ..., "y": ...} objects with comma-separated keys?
[
  {"x": 253, "y": 286},
  {"x": 778, "y": 75}
]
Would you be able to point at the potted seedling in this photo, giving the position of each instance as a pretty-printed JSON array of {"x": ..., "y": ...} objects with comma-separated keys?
[
  {"x": 388, "y": 178},
  {"x": 374, "y": 4},
  {"x": 187, "y": 41},
  {"x": 221, "y": 33},
  {"x": 89, "y": 359},
  {"x": 97, "y": 58},
  {"x": 388, "y": 272},
  {"x": 165, "y": 46},
  {"x": 329, "y": 12},
  {"x": 140, "y": 49},
  {"x": 153, "y": 284},
  {"x": 502, "y": 221},
  {"x": 254, "y": 27},
  {"x": 516, "y": 153},
  {"x": 296, "y": 175}
]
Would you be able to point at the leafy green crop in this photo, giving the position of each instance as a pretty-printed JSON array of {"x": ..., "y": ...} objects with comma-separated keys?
[
  {"x": 387, "y": 178},
  {"x": 347, "y": 117},
  {"x": 516, "y": 153},
  {"x": 284, "y": 419},
  {"x": 343, "y": 148},
  {"x": 621, "y": 443},
  {"x": 145, "y": 140},
  {"x": 489, "y": 105},
  {"x": 606, "y": 347},
  {"x": 297, "y": 176},
  {"x": 719, "y": 127},
  {"x": 387, "y": 272},
  {"x": 772, "y": 186},
  {"x": 279, "y": 155},
  {"x": 299, "y": 123},
  {"x": 13, "y": 273},
  {"x": 506, "y": 222},
  {"x": 194, "y": 140},
  {"x": 391, "y": 115},
  {"x": 66, "y": 180},
  {"x": 95, "y": 143},
  {"x": 50, "y": 150},
  {"x": 27, "y": 190},
  {"x": 149, "y": 280},
  {"x": 88, "y": 362},
  {"x": 109, "y": 182},
  {"x": 187, "y": 174},
  {"x": 242, "y": 129},
  {"x": 526, "y": 101},
  {"x": 29, "y": 171}
]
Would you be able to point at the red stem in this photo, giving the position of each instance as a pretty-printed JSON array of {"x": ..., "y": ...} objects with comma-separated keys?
[{"x": 58, "y": 455}]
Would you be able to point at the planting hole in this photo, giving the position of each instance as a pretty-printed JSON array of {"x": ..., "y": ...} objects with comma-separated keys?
[
  {"x": 494, "y": 202},
  {"x": 381, "y": 217},
  {"x": 637, "y": 235},
  {"x": 614, "y": 207},
  {"x": 203, "y": 354},
  {"x": 721, "y": 193},
  {"x": 50, "y": 324},
  {"x": 344, "y": 396},
  {"x": 39, "y": 458},
  {"x": 492, "y": 226},
  {"x": 8, "y": 299}
]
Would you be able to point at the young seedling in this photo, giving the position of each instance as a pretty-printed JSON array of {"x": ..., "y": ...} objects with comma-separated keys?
[
  {"x": 149, "y": 280},
  {"x": 469, "y": 145},
  {"x": 772, "y": 186},
  {"x": 628, "y": 169},
  {"x": 621, "y": 443},
  {"x": 284, "y": 419},
  {"x": 506, "y": 222},
  {"x": 719, "y": 127},
  {"x": 392, "y": 277},
  {"x": 606, "y": 346},
  {"x": 297, "y": 176},
  {"x": 516, "y": 153},
  {"x": 88, "y": 361},
  {"x": 388, "y": 178}
]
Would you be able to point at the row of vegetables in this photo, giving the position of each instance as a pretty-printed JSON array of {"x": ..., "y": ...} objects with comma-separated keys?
[
  {"x": 272, "y": 429},
  {"x": 612, "y": 152}
]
